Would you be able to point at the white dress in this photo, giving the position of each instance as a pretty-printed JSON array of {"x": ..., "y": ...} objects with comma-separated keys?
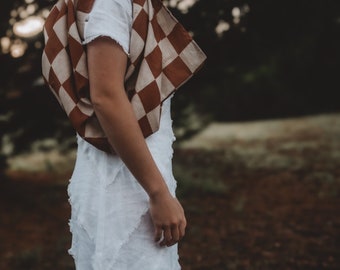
[{"x": 110, "y": 223}]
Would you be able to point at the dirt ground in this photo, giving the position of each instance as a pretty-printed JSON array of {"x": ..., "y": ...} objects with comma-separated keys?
[{"x": 259, "y": 195}]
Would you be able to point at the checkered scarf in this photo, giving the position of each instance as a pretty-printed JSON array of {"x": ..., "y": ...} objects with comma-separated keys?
[{"x": 163, "y": 56}]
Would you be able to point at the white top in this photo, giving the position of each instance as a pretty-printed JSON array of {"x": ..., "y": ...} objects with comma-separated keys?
[{"x": 100, "y": 22}]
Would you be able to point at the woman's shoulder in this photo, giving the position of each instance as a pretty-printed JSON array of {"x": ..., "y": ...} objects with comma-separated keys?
[
  {"x": 118, "y": 9},
  {"x": 111, "y": 18},
  {"x": 108, "y": 5}
]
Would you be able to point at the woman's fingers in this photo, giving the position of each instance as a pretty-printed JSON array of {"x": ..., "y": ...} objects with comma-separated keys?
[
  {"x": 181, "y": 230},
  {"x": 167, "y": 236},
  {"x": 175, "y": 235},
  {"x": 171, "y": 235},
  {"x": 158, "y": 233}
]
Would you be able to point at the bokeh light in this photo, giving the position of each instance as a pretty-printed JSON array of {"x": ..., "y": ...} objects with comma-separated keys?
[{"x": 29, "y": 27}]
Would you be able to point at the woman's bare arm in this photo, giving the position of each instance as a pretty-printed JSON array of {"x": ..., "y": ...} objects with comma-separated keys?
[{"x": 107, "y": 66}]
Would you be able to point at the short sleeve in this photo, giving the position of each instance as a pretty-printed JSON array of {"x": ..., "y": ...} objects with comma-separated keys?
[{"x": 110, "y": 18}]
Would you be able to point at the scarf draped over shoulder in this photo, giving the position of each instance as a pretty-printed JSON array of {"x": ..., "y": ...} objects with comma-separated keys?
[{"x": 163, "y": 56}]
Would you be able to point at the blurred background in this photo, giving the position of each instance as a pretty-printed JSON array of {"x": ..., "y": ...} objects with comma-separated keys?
[{"x": 257, "y": 155}]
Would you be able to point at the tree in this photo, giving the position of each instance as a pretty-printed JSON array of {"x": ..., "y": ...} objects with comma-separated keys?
[
  {"x": 265, "y": 59},
  {"x": 280, "y": 59}
]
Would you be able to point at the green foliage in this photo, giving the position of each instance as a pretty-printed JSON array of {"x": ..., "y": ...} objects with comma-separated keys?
[
  {"x": 28, "y": 110},
  {"x": 277, "y": 59},
  {"x": 280, "y": 60}
]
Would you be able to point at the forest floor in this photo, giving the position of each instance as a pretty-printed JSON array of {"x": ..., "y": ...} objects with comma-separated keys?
[{"x": 258, "y": 195}]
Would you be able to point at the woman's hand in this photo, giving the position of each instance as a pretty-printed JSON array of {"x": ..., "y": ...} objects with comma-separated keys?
[{"x": 168, "y": 218}]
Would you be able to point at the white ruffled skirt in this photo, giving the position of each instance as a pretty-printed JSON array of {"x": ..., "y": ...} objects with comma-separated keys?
[{"x": 110, "y": 223}]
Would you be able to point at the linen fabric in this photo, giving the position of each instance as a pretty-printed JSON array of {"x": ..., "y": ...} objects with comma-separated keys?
[
  {"x": 163, "y": 56},
  {"x": 110, "y": 220},
  {"x": 99, "y": 22}
]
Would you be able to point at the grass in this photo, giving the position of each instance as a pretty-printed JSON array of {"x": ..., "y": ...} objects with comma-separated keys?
[{"x": 259, "y": 204}]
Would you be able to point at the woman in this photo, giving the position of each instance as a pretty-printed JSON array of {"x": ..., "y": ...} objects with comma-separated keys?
[{"x": 125, "y": 214}]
